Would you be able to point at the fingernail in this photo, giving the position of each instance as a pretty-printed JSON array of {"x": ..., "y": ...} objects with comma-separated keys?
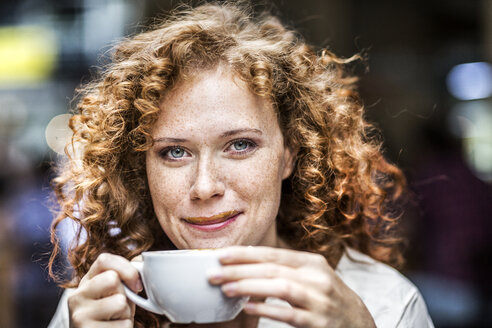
[
  {"x": 215, "y": 275},
  {"x": 138, "y": 286},
  {"x": 230, "y": 288},
  {"x": 225, "y": 256},
  {"x": 249, "y": 306}
]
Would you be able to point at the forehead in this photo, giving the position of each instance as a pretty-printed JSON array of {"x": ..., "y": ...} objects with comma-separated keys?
[{"x": 214, "y": 99}]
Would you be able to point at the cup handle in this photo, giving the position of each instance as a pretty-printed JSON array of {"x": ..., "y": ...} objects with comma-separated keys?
[{"x": 147, "y": 304}]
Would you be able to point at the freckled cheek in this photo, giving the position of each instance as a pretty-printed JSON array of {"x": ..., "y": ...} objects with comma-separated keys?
[
  {"x": 254, "y": 179},
  {"x": 168, "y": 189}
]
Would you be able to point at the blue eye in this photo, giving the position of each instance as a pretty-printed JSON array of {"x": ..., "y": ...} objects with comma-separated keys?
[
  {"x": 240, "y": 145},
  {"x": 177, "y": 152},
  {"x": 173, "y": 153}
]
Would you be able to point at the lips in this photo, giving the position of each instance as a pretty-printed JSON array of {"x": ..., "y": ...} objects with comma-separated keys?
[{"x": 214, "y": 219}]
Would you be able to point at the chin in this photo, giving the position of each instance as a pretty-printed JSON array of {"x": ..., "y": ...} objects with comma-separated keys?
[{"x": 209, "y": 243}]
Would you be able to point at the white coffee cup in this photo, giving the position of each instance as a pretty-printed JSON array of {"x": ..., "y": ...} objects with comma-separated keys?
[{"x": 177, "y": 286}]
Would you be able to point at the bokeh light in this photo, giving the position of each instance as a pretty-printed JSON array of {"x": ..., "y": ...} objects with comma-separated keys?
[
  {"x": 470, "y": 81},
  {"x": 58, "y": 133},
  {"x": 28, "y": 55}
]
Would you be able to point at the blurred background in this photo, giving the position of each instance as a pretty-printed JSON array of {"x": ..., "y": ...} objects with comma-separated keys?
[{"x": 427, "y": 85}]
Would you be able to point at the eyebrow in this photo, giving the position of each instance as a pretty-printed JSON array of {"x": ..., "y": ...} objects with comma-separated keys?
[
  {"x": 238, "y": 131},
  {"x": 223, "y": 135}
]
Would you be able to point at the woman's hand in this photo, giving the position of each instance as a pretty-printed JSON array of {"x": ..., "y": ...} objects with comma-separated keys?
[
  {"x": 317, "y": 295},
  {"x": 100, "y": 299}
]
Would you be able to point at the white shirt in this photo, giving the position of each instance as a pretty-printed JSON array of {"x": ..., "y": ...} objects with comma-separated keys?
[{"x": 392, "y": 299}]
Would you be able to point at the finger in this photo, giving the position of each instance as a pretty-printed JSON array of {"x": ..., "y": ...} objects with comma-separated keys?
[
  {"x": 288, "y": 290},
  {"x": 247, "y": 271},
  {"x": 120, "y": 306},
  {"x": 295, "y": 259},
  {"x": 103, "y": 285},
  {"x": 114, "y": 307},
  {"x": 312, "y": 276},
  {"x": 122, "y": 266},
  {"x": 293, "y": 316},
  {"x": 127, "y": 323},
  {"x": 133, "y": 308}
]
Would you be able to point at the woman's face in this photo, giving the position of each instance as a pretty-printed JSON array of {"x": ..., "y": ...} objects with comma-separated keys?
[{"x": 217, "y": 165}]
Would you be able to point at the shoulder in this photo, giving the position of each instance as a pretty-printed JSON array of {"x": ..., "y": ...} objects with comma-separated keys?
[
  {"x": 368, "y": 275},
  {"x": 391, "y": 298}
]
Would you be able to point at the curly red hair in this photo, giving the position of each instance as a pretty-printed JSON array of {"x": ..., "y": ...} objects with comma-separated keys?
[{"x": 343, "y": 193}]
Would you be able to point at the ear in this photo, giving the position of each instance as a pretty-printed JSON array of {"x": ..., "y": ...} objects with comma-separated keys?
[{"x": 290, "y": 155}]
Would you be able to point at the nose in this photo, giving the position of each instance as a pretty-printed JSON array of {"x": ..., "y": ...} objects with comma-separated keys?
[{"x": 207, "y": 182}]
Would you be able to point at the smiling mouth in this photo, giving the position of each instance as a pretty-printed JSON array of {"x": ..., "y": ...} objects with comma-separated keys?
[{"x": 214, "y": 219}]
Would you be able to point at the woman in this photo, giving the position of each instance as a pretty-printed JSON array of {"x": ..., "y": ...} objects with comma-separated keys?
[{"x": 217, "y": 129}]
